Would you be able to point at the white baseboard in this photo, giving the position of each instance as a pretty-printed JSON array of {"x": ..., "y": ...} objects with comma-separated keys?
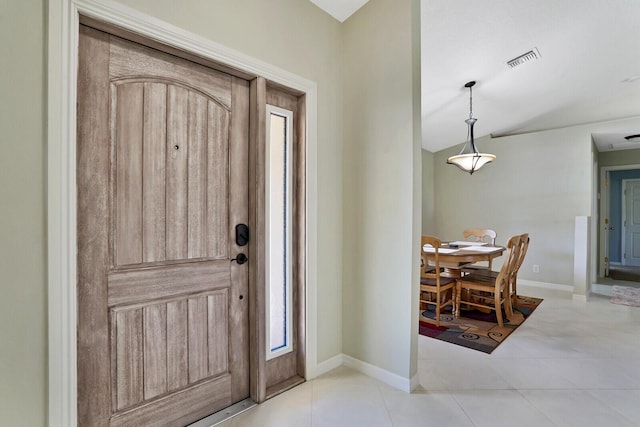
[
  {"x": 389, "y": 378},
  {"x": 329, "y": 364},
  {"x": 545, "y": 285}
]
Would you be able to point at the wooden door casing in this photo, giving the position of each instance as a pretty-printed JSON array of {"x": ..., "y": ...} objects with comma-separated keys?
[
  {"x": 288, "y": 370},
  {"x": 162, "y": 322}
]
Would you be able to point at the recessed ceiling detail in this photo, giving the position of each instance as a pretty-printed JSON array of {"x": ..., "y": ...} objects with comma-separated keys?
[{"x": 532, "y": 55}]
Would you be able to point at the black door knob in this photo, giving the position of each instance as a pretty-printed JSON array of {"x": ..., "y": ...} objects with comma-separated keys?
[{"x": 240, "y": 259}]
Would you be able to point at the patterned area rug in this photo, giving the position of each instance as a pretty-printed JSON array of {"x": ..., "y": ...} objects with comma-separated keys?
[
  {"x": 625, "y": 295},
  {"x": 475, "y": 329}
]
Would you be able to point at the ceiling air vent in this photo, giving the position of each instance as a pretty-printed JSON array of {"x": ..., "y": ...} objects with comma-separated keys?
[{"x": 532, "y": 55}]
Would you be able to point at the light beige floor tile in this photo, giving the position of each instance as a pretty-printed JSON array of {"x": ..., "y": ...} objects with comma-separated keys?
[
  {"x": 500, "y": 408},
  {"x": 596, "y": 373},
  {"x": 531, "y": 374},
  {"x": 625, "y": 402},
  {"x": 348, "y": 400},
  {"x": 575, "y": 408},
  {"x": 290, "y": 409},
  {"x": 470, "y": 374},
  {"x": 424, "y": 409}
]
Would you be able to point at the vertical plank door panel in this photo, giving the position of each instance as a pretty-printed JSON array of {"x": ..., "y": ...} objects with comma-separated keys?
[
  {"x": 153, "y": 181},
  {"x": 218, "y": 332},
  {"x": 177, "y": 157},
  {"x": 128, "y": 146},
  {"x": 198, "y": 360},
  {"x": 155, "y": 350},
  {"x": 177, "y": 345},
  {"x": 129, "y": 368},
  {"x": 218, "y": 182},
  {"x": 197, "y": 198}
]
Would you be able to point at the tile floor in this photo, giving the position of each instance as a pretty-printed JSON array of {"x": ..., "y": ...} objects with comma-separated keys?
[{"x": 569, "y": 364}]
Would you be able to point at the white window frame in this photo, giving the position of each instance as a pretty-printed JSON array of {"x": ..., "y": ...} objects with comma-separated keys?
[{"x": 272, "y": 353}]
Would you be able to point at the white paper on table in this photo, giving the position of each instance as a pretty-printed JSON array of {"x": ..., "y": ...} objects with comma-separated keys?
[
  {"x": 431, "y": 249},
  {"x": 466, "y": 243},
  {"x": 481, "y": 248}
]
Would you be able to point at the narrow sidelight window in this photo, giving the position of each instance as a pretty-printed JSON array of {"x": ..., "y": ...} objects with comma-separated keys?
[{"x": 278, "y": 228}]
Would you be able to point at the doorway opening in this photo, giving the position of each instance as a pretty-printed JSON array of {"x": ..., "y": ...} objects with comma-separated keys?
[{"x": 616, "y": 231}]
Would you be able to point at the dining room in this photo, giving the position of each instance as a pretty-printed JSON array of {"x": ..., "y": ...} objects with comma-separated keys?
[{"x": 463, "y": 300}]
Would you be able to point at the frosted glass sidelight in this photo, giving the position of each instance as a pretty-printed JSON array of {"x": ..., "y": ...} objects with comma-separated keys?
[{"x": 278, "y": 221}]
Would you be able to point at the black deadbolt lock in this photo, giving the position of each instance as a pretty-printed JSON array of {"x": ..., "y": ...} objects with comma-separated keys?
[{"x": 242, "y": 234}]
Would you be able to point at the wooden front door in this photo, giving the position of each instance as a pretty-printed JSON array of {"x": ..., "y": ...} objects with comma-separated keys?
[{"x": 162, "y": 181}]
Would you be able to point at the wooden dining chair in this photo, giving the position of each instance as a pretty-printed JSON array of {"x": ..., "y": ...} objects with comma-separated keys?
[
  {"x": 484, "y": 235},
  {"x": 513, "y": 278},
  {"x": 487, "y": 292},
  {"x": 432, "y": 280}
]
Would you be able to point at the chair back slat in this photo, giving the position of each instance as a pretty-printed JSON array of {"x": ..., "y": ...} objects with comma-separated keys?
[{"x": 480, "y": 235}]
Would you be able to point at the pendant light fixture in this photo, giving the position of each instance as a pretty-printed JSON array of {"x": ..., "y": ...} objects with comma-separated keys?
[{"x": 473, "y": 160}]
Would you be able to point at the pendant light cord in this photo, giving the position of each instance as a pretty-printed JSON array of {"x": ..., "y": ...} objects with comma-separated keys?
[
  {"x": 471, "y": 102},
  {"x": 470, "y": 86}
]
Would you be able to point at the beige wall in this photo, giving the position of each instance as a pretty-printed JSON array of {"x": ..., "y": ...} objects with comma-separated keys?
[
  {"x": 619, "y": 158},
  {"x": 381, "y": 215},
  {"x": 428, "y": 193},
  {"x": 23, "y": 342},
  {"x": 538, "y": 184}
]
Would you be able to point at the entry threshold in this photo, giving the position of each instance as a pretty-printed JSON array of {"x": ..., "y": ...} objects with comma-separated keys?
[{"x": 225, "y": 414}]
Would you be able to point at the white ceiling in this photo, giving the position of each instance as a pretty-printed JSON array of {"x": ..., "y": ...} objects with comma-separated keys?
[
  {"x": 588, "y": 71},
  {"x": 587, "y": 47},
  {"x": 339, "y": 9}
]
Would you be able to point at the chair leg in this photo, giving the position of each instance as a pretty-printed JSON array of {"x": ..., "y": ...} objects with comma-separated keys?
[
  {"x": 437, "y": 313},
  {"x": 508, "y": 309},
  {"x": 498, "y": 307},
  {"x": 514, "y": 293},
  {"x": 456, "y": 306}
]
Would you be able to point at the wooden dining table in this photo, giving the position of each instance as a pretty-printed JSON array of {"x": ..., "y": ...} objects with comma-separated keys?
[{"x": 455, "y": 255}]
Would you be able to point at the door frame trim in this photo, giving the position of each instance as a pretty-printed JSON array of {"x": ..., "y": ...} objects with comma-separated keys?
[{"x": 63, "y": 24}]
